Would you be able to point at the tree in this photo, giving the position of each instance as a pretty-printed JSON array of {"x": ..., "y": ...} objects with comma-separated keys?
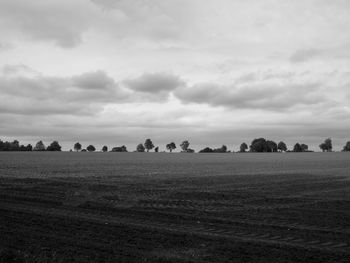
[
  {"x": 149, "y": 145},
  {"x": 14, "y": 146},
  {"x": 258, "y": 145},
  {"x": 297, "y": 148},
  {"x": 206, "y": 150},
  {"x": 282, "y": 147},
  {"x": 243, "y": 148},
  {"x": 222, "y": 149},
  {"x": 347, "y": 147},
  {"x": 54, "y": 147},
  {"x": 304, "y": 147},
  {"x": 104, "y": 148},
  {"x": 326, "y": 146},
  {"x": 156, "y": 149},
  {"x": 77, "y": 146},
  {"x": 140, "y": 148},
  {"x": 29, "y": 147},
  {"x": 184, "y": 146},
  {"x": 91, "y": 148},
  {"x": 271, "y": 146},
  {"x": 119, "y": 149},
  {"x": 171, "y": 146},
  {"x": 39, "y": 146}
]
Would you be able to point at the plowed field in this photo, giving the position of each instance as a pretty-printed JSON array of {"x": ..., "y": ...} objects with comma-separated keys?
[{"x": 147, "y": 207}]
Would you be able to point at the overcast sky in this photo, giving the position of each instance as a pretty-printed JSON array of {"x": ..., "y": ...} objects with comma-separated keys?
[{"x": 214, "y": 72}]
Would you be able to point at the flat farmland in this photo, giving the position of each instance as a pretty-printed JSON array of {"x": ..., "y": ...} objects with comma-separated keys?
[{"x": 158, "y": 207}]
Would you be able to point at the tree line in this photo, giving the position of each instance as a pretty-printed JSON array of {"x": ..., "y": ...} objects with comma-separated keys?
[
  {"x": 15, "y": 146},
  {"x": 257, "y": 145}
]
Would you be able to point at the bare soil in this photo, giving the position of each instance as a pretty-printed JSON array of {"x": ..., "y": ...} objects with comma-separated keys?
[{"x": 115, "y": 207}]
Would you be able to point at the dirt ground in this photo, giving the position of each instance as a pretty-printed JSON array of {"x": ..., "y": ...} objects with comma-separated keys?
[{"x": 96, "y": 207}]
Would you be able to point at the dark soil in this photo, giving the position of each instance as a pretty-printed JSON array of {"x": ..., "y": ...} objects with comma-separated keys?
[{"x": 167, "y": 215}]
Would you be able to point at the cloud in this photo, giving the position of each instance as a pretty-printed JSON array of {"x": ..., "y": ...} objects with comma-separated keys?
[
  {"x": 255, "y": 96},
  {"x": 18, "y": 69},
  {"x": 303, "y": 55},
  {"x": 154, "y": 83},
  {"x": 81, "y": 94},
  {"x": 62, "y": 22},
  {"x": 5, "y": 46},
  {"x": 339, "y": 52},
  {"x": 146, "y": 20}
]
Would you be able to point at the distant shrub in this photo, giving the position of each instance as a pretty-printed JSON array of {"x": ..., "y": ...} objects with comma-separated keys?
[
  {"x": 140, "y": 148},
  {"x": 119, "y": 149},
  {"x": 104, "y": 148},
  {"x": 347, "y": 147},
  {"x": 91, "y": 148},
  {"x": 206, "y": 150}
]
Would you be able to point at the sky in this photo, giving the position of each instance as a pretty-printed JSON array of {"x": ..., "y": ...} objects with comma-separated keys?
[{"x": 115, "y": 72}]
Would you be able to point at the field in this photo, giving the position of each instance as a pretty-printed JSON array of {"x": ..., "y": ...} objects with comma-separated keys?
[{"x": 139, "y": 207}]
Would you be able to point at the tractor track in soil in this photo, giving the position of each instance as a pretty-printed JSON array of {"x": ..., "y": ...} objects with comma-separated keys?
[{"x": 213, "y": 231}]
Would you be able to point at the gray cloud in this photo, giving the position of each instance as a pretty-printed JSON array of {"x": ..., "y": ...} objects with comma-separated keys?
[
  {"x": 151, "y": 20},
  {"x": 18, "y": 69},
  {"x": 81, "y": 94},
  {"x": 59, "y": 21},
  {"x": 256, "y": 96},
  {"x": 335, "y": 52},
  {"x": 154, "y": 83},
  {"x": 5, "y": 46},
  {"x": 303, "y": 55}
]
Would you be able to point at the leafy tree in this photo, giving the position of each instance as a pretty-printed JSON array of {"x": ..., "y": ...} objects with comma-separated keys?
[
  {"x": 184, "y": 146},
  {"x": 271, "y": 146},
  {"x": 14, "y": 146},
  {"x": 326, "y": 146},
  {"x": 54, "y": 147},
  {"x": 282, "y": 147},
  {"x": 206, "y": 150},
  {"x": 77, "y": 146},
  {"x": 347, "y": 147},
  {"x": 304, "y": 147},
  {"x": 39, "y": 146},
  {"x": 149, "y": 145},
  {"x": 119, "y": 149},
  {"x": 243, "y": 148},
  {"x": 297, "y": 148},
  {"x": 104, "y": 148},
  {"x": 263, "y": 145},
  {"x": 91, "y": 148},
  {"x": 171, "y": 146},
  {"x": 222, "y": 149},
  {"x": 329, "y": 144},
  {"x": 258, "y": 145},
  {"x": 140, "y": 148},
  {"x": 29, "y": 148}
]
